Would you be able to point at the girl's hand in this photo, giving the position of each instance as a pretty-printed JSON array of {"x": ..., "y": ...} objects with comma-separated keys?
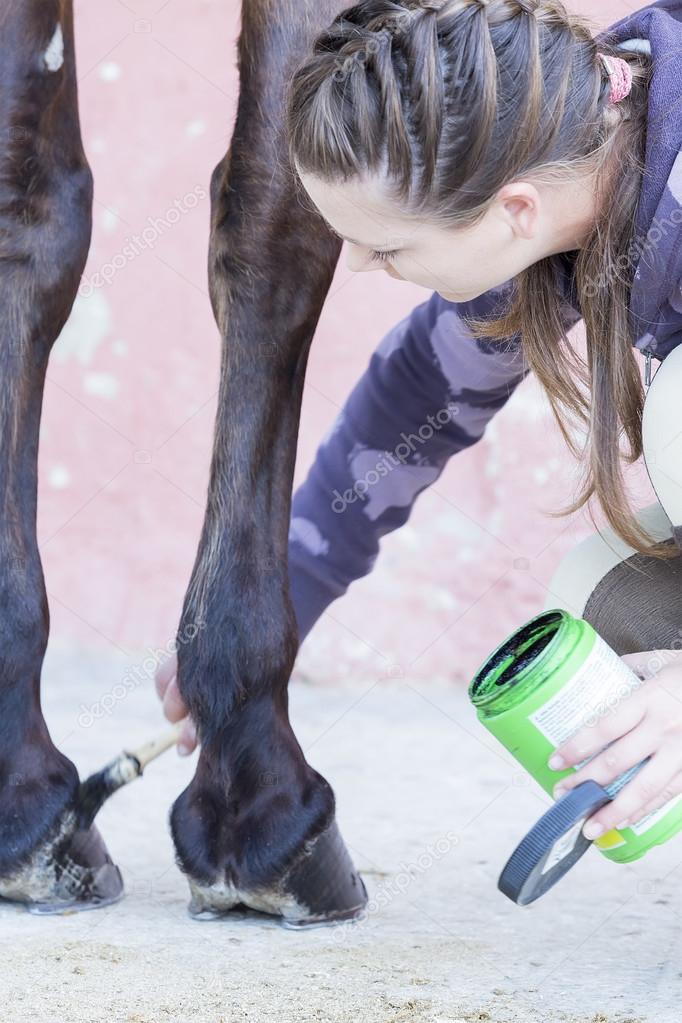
[
  {"x": 646, "y": 723},
  {"x": 173, "y": 705}
]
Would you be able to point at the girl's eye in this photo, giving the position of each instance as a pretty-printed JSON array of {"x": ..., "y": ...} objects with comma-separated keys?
[{"x": 382, "y": 256}]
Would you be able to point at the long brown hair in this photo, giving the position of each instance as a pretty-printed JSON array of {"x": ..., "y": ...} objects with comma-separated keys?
[{"x": 449, "y": 100}]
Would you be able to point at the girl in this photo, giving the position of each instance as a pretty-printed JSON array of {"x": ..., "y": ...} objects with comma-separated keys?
[{"x": 530, "y": 175}]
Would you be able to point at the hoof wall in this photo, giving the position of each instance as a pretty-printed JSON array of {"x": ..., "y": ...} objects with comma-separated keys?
[{"x": 72, "y": 874}]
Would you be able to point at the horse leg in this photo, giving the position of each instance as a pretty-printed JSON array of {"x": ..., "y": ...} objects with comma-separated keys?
[
  {"x": 256, "y": 825},
  {"x": 45, "y": 201}
]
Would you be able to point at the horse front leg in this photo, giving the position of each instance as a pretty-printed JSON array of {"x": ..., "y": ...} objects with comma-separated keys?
[
  {"x": 45, "y": 202},
  {"x": 256, "y": 825}
]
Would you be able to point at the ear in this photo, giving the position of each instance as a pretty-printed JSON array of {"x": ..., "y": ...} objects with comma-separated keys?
[{"x": 520, "y": 205}]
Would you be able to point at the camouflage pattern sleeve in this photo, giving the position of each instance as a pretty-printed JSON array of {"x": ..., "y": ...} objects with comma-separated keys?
[{"x": 429, "y": 391}]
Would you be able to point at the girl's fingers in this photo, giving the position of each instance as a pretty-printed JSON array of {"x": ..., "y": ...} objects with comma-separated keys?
[
  {"x": 640, "y": 663},
  {"x": 672, "y": 789},
  {"x": 649, "y": 663},
  {"x": 188, "y": 738},
  {"x": 164, "y": 674},
  {"x": 173, "y": 704},
  {"x": 652, "y": 782},
  {"x": 612, "y": 762},
  {"x": 616, "y": 722}
]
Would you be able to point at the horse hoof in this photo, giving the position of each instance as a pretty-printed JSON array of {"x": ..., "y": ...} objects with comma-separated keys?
[
  {"x": 321, "y": 888},
  {"x": 71, "y": 873}
]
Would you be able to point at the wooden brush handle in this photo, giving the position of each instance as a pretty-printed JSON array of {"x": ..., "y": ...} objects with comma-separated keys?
[{"x": 159, "y": 744}]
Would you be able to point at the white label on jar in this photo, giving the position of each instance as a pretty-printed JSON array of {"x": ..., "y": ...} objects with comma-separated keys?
[{"x": 598, "y": 686}]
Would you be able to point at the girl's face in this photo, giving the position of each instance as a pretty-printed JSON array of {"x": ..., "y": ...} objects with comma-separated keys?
[{"x": 525, "y": 223}]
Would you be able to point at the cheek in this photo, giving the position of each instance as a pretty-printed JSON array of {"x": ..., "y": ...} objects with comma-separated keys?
[{"x": 431, "y": 270}]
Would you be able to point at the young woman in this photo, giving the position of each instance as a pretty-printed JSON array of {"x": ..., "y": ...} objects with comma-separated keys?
[{"x": 530, "y": 174}]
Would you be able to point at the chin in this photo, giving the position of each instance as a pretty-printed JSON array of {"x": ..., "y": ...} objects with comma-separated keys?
[{"x": 460, "y": 296}]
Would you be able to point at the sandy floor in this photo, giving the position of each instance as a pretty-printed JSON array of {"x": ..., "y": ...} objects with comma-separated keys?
[{"x": 430, "y": 809}]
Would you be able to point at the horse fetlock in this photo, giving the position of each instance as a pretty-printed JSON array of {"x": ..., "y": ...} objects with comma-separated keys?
[
  {"x": 256, "y": 827},
  {"x": 46, "y": 860},
  {"x": 38, "y": 785}
]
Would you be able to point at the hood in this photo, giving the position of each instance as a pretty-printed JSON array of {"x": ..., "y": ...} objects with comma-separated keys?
[{"x": 656, "y": 297}]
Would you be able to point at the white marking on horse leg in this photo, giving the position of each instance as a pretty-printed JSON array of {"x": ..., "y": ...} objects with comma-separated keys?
[{"x": 54, "y": 54}]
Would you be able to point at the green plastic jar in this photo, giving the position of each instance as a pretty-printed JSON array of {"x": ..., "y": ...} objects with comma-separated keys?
[{"x": 539, "y": 687}]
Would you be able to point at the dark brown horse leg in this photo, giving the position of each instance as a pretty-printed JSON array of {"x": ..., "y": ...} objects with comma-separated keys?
[
  {"x": 256, "y": 825},
  {"x": 45, "y": 200}
]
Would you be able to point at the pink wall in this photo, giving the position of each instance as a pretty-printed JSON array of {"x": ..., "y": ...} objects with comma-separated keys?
[{"x": 131, "y": 392}]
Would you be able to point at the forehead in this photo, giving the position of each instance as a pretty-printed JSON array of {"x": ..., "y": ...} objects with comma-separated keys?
[{"x": 357, "y": 208}]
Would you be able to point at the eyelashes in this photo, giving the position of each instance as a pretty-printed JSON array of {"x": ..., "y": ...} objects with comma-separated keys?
[{"x": 382, "y": 257}]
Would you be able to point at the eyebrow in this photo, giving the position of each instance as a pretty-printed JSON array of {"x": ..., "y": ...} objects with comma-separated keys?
[{"x": 354, "y": 241}]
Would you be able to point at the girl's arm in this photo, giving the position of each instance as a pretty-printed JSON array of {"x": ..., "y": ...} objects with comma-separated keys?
[{"x": 429, "y": 392}]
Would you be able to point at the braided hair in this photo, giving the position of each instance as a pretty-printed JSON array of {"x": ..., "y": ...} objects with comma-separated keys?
[
  {"x": 452, "y": 98},
  {"x": 447, "y": 101}
]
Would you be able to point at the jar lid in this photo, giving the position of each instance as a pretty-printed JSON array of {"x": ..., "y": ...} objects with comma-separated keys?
[{"x": 552, "y": 846}]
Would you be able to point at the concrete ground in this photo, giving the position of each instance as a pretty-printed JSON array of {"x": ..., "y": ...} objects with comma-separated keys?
[{"x": 430, "y": 808}]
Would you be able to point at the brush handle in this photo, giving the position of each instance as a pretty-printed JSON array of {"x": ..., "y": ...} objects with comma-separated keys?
[{"x": 155, "y": 747}]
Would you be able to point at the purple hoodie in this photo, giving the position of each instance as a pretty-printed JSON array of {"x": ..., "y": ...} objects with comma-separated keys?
[
  {"x": 431, "y": 389},
  {"x": 656, "y": 298}
]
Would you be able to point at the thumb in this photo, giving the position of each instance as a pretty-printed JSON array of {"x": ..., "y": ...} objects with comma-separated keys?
[
  {"x": 635, "y": 661},
  {"x": 164, "y": 675},
  {"x": 188, "y": 740},
  {"x": 648, "y": 663}
]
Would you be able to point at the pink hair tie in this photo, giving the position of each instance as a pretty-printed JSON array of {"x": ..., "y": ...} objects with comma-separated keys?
[{"x": 620, "y": 73}]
